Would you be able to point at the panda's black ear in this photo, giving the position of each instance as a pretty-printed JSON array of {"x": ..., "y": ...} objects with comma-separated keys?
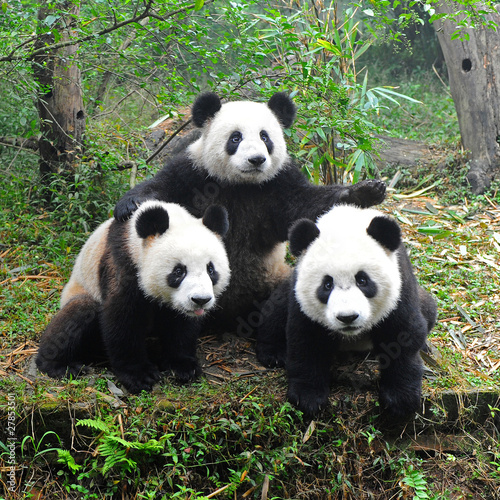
[
  {"x": 283, "y": 107},
  {"x": 205, "y": 107},
  {"x": 302, "y": 233},
  {"x": 385, "y": 231},
  {"x": 152, "y": 221},
  {"x": 216, "y": 219}
]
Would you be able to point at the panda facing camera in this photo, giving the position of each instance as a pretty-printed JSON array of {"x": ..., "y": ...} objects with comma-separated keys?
[
  {"x": 353, "y": 288},
  {"x": 158, "y": 274}
]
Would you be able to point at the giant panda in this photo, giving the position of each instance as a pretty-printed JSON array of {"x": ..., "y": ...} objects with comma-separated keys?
[
  {"x": 241, "y": 161},
  {"x": 353, "y": 288},
  {"x": 158, "y": 274}
]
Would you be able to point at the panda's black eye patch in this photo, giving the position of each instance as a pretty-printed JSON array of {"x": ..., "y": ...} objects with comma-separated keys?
[
  {"x": 366, "y": 284},
  {"x": 324, "y": 290},
  {"x": 212, "y": 273},
  {"x": 233, "y": 142},
  {"x": 264, "y": 136},
  {"x": 175, "y": 278}
]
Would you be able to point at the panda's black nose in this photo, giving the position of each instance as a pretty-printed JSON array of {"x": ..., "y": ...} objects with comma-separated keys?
[
  {"x": 347, "y": 318},
  {"x": 257, "y": 160},
  {"x": 201, "y": 301}
]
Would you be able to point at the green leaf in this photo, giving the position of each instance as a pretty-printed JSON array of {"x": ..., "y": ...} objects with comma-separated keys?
[{"x": 198, "y": 4}]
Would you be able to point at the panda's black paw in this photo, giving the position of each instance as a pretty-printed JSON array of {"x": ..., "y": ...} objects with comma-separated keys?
[
  {"x": 184, "y": 369},
  {"x": 365, "y": 193},
  {"x": 138, "y": 378},
  {"x": 271, "y": 356},
  {"x": 125, "y": 208},
  {"x": 398, "y": 403},
  {"x": 308, "y": 400},
  {"x": 59, "y": 370}
]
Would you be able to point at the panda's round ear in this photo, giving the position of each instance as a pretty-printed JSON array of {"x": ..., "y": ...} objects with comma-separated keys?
[
  {"x": 385, "y": 231},
  {"x": 205, "y": 107},
  {"x": 216, "y": 219},
  {"x": 283, "y": 107},
  {"x": 302, "y": 233},
  {"x": 152, "y": 221}
]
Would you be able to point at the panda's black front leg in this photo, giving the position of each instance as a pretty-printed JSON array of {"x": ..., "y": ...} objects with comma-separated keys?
[
  {"x": 179, "y": 344},
  {"x": 309, "y": 356},
  {"x": 123, "y": 334},
  {"x": 401, "y": 373}
]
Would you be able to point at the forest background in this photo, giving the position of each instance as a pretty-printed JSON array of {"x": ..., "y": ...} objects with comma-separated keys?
[{"x": 95, "y": 94}]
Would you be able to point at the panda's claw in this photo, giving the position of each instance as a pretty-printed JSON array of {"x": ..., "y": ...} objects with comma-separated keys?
[
  {"x": 308, "y": 400},
  {"x": 140, "y": 378}
]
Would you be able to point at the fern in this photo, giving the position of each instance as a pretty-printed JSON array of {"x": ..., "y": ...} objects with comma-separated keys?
[
  {"x": 67, "y": 459},
  {"x": 416, "y": 480},
  {"x": 98, "y": 425}
]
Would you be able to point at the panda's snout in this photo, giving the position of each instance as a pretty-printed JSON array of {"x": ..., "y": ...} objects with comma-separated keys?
[
  {"x": 347, "y": 319},
  {"x": 200, "y": 301},
  {"x": 257, "y": 160}
]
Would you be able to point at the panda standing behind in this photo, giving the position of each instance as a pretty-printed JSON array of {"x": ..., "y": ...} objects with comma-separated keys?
[
  {"x": 157, "y": 274},
  {"x": 353, "y": 287},
  {"x": 241, "y": 162}
]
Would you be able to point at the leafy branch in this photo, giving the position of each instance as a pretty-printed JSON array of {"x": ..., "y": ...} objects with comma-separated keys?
[{"x": 137, "y": 18}]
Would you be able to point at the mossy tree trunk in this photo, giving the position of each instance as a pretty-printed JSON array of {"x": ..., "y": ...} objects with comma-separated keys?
[
  {"x": 474, "y": 75},
  {"x": 60, "y": 102}
]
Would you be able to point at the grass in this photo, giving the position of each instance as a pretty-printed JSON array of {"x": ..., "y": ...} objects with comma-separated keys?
[{"x": 230, "y": 435}]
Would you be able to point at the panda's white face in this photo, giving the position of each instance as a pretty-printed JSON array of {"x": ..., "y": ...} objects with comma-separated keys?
[
  {"x": 347, "y": 281},
  {"x": 242, "y": 143},
  {"x": 186, "y": 267}
]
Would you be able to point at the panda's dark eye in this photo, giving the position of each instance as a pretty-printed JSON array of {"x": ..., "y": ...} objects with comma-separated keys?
[
  {"x": 361, "y": 279},
  {"x": 177, "y": 275},
  {"x": 367, "y": 286},
  {"x": 324, "y": 290},
  {"x": 236, "y": 137},
  {"x": 328, "y": 283},
  {"x": 264, "y": 136},
  {"x": 212, "y": 273}
]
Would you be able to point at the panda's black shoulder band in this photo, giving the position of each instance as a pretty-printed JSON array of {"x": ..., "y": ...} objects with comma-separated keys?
[
  {"x": 205, "y": 107},
  {"x": 152, "y": 221},
  {"x": 302, "y": 233},
  {"x": 216, "y": 219},
  {"x": 385, "y": 231}
]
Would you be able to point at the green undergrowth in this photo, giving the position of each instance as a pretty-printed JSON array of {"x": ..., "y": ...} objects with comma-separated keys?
[{"x": 238, "y": 441}]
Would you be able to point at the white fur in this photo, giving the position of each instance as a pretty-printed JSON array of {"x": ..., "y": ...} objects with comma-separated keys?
[
  {"x": 187, "y": 241},
  {"x": 250, "y": 118},
  {"x": 342, "y": 249},
  {"x": 85, "y": 275}
]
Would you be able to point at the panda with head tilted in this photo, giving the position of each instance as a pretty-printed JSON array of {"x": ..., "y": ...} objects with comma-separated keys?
[
  {"x": 158, "y": 274},
  {"x": 241, "y": 162},
  {"x": 353, "y": 287}
]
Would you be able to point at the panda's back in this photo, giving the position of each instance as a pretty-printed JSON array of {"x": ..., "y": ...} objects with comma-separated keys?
[{"x": 85, "y": 275}]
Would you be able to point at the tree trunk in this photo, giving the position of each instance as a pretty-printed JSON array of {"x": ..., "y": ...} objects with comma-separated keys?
[
  {"x": 60, "y": 102},
  {"x": 474, "y": 75}
]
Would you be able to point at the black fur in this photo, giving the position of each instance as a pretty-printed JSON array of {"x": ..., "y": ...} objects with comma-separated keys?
[
  {"x": 216, "y": 219},
  {"x": 260, "y": 215},
  {"x": 120, "y": 325},
  {"x": 302, "y": 233},
  {"x": 386, "y": 232},
  {"x": 310, "y": 348},
  {"x": 205, "y": 107},
  {"x": 283, "y": 107},
  {"x": 151, "y": 222}
]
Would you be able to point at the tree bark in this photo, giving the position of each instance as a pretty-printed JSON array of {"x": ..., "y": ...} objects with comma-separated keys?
[
  {"x": 474, "y": 75},
  {"x": 60, "y": 101}
]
